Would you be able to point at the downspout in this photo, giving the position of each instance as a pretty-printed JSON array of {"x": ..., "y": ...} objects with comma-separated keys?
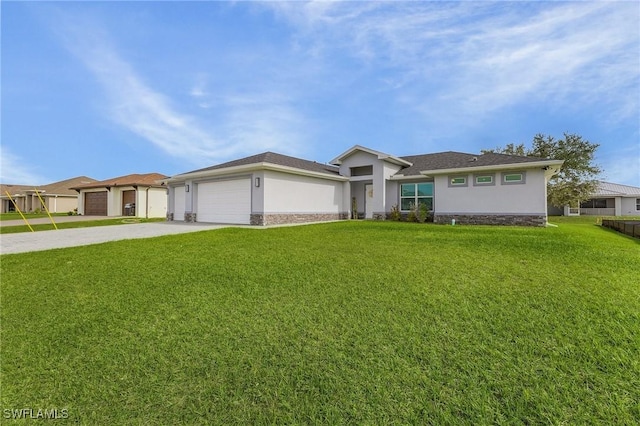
[{"x": 147, "y": 204}]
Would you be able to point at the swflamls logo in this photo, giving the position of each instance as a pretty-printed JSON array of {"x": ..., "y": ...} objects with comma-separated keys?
[{"x": 35, "y": 413}]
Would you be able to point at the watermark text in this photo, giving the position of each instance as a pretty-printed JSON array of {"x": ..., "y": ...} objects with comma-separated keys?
[{"x": 35, "y": 413}]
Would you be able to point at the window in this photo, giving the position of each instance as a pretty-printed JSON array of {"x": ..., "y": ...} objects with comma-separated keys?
[
  {"x": 457, "y": 181},
  {"x": 594, "y": 203},
  {"x": 483, "y": 180},
  {"x": 638, "y": 204},
  {"x": 510, "y": 178},
  {"x": 414, "y": 194},
  {"x": 362, "y": 171}
]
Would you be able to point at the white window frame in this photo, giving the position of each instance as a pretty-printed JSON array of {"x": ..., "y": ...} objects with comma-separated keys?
[
  {"x": 415, "y": 194},
  {"x": 523, "y": 178},
  {"x": 491, "y": 176},
  {"x": 452, "y": 184}
]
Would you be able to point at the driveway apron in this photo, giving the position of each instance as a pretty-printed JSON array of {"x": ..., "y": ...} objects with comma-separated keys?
[{"x": 47, "y": 240}]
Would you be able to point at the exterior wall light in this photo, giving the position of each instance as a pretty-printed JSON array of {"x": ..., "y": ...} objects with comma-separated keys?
[
  {"x": 257, "y": 182},
  {"x": 186, "y": 188}
]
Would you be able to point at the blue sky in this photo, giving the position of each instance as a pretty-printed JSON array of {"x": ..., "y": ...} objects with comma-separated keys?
[{"x": 110, "y": 88}]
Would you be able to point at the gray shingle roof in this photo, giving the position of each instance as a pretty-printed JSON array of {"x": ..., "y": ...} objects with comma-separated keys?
[
  {"x": 459, "y": 160},
  {"x": 277, "y": 159},
  {"x": 436, "y": 161}
]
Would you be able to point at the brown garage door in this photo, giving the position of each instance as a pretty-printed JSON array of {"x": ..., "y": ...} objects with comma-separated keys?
[{"x": 95, "y": 203}]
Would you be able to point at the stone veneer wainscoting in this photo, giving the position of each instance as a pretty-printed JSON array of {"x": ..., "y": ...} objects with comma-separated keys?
[
  {"x": 493, "y": 219},
  {"x": 283, "y": 218}
]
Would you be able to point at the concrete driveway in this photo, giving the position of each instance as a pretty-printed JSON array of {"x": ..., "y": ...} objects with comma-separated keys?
[{"x": 46, "y": 240}]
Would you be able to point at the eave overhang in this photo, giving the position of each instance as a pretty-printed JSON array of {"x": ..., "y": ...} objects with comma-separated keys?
[
  {"x": 250, "y": 168},
  {"x": 550, "y": 167}
]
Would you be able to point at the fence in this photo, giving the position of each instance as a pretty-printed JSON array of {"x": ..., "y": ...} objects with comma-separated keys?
[
  {"x": 629, "y": 227},
  {"x": 598, "y": 212}
]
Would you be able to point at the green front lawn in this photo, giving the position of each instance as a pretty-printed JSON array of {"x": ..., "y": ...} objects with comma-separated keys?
[
  {"x": 341, "y": 323},
  {"x": 16, "y": 215},
  {"x": 80, "y": 224}
]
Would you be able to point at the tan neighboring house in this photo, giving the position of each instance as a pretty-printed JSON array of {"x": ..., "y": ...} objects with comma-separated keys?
[
  {"x": 58, "y": 196},
  {"x": 139, "y": 195}
]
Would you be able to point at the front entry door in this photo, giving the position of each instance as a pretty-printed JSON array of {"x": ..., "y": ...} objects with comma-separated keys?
[{"x": 368, "y": 201}]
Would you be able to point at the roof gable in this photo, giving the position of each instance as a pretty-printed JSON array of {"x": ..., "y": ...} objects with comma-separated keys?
[
  {"x": 276, "y": 159},
  {"x": 381, "y": 156}
]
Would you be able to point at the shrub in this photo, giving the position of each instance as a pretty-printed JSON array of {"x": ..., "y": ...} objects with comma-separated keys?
[
  {"x": 354, "y": 208},
  {"x": 395, "y": 213},
  {"x": 412, "y": 216},
  {"x": 423, "y": 213}
]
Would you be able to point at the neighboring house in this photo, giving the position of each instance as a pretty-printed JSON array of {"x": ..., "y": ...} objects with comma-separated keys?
[
  {"x": 58, "y": 196},
  {"x": 139, "y": 195},
  {"x": 610, "y": 199},
  {"x": 271, "y": 188}
]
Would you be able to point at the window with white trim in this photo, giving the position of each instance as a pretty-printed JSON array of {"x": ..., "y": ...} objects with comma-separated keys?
[
  {"x": 513, "y": 178},
  {"x": 457, "y": 181},
  {"x": 414, "y": 194},
  {"x": 484, "y": 179},
  {"x": 638, "y": 204}
]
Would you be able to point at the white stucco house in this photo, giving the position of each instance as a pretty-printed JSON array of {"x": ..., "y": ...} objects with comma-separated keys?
[
  {"x": 271, "y": 188},
  {"x": 611, "y": 199},
  {"x": 139, "y": 195}
]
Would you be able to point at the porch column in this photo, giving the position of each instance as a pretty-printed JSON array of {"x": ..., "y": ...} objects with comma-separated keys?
[
  {"x": 618, "y": 206},
  {"x": 379, "y": 192}
]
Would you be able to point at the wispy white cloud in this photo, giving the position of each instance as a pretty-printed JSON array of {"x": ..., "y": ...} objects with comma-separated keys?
[
  {"x": 17, "y": 170},
  {"x": 479, "y": 57},
  {"x": 236, "y": 128}
]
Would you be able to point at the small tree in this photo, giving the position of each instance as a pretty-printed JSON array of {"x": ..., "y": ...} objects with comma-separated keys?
[{"x": 576, "y": 180}]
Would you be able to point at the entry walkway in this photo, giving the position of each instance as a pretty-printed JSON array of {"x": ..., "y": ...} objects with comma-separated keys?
[{"x": 46, "y": 240}]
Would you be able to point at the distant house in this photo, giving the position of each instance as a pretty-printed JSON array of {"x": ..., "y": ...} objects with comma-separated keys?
[
  {"x": 58, "y": 196},
  {"x": 271, "y": 188},
  {"x": 139, "y": 195},
  {"x": 611, "y": 199}
]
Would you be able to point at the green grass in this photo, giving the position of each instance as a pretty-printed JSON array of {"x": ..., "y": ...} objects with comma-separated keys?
[
  {"x": 16, "y": 215},
  {"x": 587, "y": 220},
  {"x": 80, "y": 224},
  {"x": 342, "y": 323}
]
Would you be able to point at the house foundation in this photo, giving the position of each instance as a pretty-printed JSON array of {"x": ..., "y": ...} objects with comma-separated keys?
[
  {"x": 284, "y": 218},
  {"x": 492, "y": 219}
]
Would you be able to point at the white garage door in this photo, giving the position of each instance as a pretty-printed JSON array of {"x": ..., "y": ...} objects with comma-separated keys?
[
  {"x": 227, "y": 201},
  {"x": 178, "y": 203}
]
